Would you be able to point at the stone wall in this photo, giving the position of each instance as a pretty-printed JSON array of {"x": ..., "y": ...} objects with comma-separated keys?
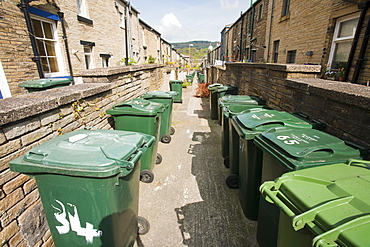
[
  {"x": 31, "y": 119},
  {"x": 344, "y": 107}
]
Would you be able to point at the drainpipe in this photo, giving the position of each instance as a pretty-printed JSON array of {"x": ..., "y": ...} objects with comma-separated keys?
[
  {"x": 361, "y": 56},
  {"x": 24, "y": 7},
  {"x": 355, "y": 40},
  {"x": 126, "y": 39},
  {"x": 241, "y": 38},
  {"x": 251, "y": 32},
  {"x": 270, "y": 31},
  {"x": 61, "y": 17},
  {"x": 364, "y": 7}
]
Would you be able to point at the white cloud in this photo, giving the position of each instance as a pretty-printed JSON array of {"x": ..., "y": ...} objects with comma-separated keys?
[
  {"x": 170, "y": 27},
  {"x": 229, "y": 5}
]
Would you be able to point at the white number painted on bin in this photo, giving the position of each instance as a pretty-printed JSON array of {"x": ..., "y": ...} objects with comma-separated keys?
[
  {"x": 288, "y": 142},
  {"x": 73, "y": 223}
]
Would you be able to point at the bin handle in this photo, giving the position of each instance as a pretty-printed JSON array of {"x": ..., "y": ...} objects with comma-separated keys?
[
  {"x": 128, "y": 164},
  {"x": 134, "y": 160},
  {"x": 149, "y": 143},
  {"x": 327, "y": 239},
  {"x": 39, "y": 156},
  {"x": 364, "y": 162}
]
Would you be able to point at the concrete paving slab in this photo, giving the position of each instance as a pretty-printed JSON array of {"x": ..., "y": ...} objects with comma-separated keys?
[{"x": 188, "y": 203}]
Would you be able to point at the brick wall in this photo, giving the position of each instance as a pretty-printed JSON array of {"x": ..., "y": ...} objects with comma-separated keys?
[
  {"x": 31, "y": 119},
  {"x": 344, "y": 107}
]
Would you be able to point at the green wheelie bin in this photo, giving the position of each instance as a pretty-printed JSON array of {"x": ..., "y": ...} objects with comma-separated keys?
[
  {"x": 245, "y": 127},
  {"x": 166, "y": 98},
  {"x": 176, "y": 85},
  {"x": 143, "y": 116},
  {"x": 228, "y": 112},
  {"x": 213, "y": 99},
  {"x": 189, "y": 79},
  {"x": 220, "y": 92},
  {"x": 88, "y": 182},
  {"x": 45, "y": 83},
  {"x": 322, "y": 206},
  {"x": 230, "y": 99},
  {"x": 286, "y": 150}
]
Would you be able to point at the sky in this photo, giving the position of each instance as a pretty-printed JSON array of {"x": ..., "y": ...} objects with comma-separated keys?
[{"x": 189, "y": 20}]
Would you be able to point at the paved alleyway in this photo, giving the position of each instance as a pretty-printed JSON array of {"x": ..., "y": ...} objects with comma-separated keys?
[{"x": 188, "y": 203}]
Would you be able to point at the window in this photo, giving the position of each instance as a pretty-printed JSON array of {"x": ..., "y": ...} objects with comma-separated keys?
[
  {"x": 47, "y": 45},
  {"x": 121, "y": 20},
  {"x": 342, "y": 41},
  {"x": 81, "y": 6},
  {"x": 260, "y": 12},
  {"x": 105, "y": 60},
  {"x": 275, "y": 54},
  {"x": 291, "y": 56},
  {"x": 88, "y": 57},
  {"x": 4, "y": 87},
  {"x": 285, "y": 10}
]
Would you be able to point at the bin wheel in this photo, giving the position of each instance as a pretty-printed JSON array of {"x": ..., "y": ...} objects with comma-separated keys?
[
  {"x": 159, "y": 159},
  {"x": 172, "y": 131},
  {"x": 166, "y": 138},
  {"x": 143, "y": 225},
  {"x": 227, "y": 161},
  {"x": 146, "y": 176},
  {"x": 232, "y": 181}
]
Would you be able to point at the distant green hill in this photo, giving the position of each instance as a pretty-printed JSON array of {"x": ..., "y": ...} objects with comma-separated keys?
[{"x": 197, "y": 51}]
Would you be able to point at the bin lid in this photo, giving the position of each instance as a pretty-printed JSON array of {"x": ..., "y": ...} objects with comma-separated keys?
[
  {"x": 226, "y": 88},
  {"x": 45, "y": 82},
  {"x": 85, "y": 153},
  {"x": 332, "y": 201},
  {"x": 176, "y": 81},
  {"x": 160, "y": 95},
  {"x": 252, "y": 124},
  {"x": 214, "y": 86},
  {"x": 138, "y": 107},
  {"x": 241, "y": 99},
  {"x": 234, "y": 110},
  {"x": 297, "y": 149}
]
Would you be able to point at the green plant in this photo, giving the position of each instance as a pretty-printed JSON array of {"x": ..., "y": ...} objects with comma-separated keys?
[{"x": 151, "y": 59}]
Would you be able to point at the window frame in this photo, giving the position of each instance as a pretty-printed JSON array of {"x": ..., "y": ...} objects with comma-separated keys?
[
  {"x": 285, "y": 9},
  {"x": 336, "y": 40},
  {"x": 275, "y": 51},
  {"x": 82, "y": 8},
  {"x": 89, "y": 64},
  {"x": 4, "y": 86},
  {"x": 291, "y": 56},
  {"x": 57, "y": 49}
]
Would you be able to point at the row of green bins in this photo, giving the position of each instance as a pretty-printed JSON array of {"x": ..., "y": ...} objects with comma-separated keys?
[
  {"x": 242, "y": 104},
  {"x": 245, "y": 127},
  {"x": 143, "y": 116},
  {"x": 230, "y": 99},
  {"x": 45, "y": 83},
  {"x": 200, "y": 78},
  {"x": 217, "y": 91},
  {"x": 322, "y": 206},
  {"x": 176, "y": 85},
  {"x": 88, "y": 182},
  {"x": 189, "y": 78},
  {"x": 166, "y": 98},
  {"x": 285, "y": 150}
]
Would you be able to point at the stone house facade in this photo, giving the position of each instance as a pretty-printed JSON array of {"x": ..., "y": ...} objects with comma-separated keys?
[
  {"x": 283, "y": 31},
  {"x": 70, "y": 36}
]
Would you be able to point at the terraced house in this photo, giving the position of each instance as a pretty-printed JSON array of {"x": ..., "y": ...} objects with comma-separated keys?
[
  {"x": 330, "y": 33},
  {"x": 61, "y": 38}
]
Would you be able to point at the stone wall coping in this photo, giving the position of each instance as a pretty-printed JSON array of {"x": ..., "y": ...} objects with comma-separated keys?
[
  {"x": 23, "y": 106},
  {"x": 353, "y": 94},
  {"x": 296, "y": 68},
  {"x": 103, "y": 72}
]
